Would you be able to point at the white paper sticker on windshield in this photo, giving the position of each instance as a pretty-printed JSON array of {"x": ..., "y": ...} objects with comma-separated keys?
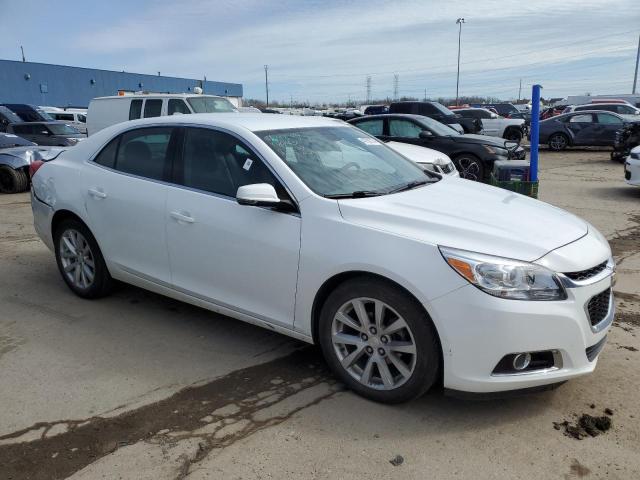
[
  {"x": 369, "y": 141},
  {"x": 10, "y": 135},
  {"x": 247, "y": 164}
]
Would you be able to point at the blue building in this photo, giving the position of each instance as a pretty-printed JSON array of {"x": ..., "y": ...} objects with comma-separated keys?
[{"x": 62, "y": 86}]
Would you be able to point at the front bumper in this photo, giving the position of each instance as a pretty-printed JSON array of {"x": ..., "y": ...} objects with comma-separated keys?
[
  {"x": 477, "y": 330},
  {"x": 632, "y": 171}
]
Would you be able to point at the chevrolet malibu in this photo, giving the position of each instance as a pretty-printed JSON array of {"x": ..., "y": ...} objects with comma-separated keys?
[{"x": 315, "y": 229}]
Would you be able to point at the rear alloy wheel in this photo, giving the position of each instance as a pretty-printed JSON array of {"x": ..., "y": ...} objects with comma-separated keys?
[
  {"x": 13, "y": 181},
  {"x": 379, "y": 341},
  {"x": 470, "y": 167},
  {"x": 80, "y": 261},
  {"x": 558, "y": 142}
]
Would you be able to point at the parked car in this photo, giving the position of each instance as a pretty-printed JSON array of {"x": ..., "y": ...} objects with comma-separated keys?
[
  {"x": 28, "y": 113},
  {"x": 627, "y": 138},
  {"x": 427, "y": 158},
  {"x": 6, "y": 118},
  {"x": 495, "y": 125},
  {"x": 47, "y": 133},
  {"x": 585, "y": 128},
  {"x": 438, "y": 112},
  {"x": 249, "y": 109},
  {"x": 552, "y": 111},
  {"x": 620, "y": 108},
  {"x": 376, "y": 109},
  {"x": 395, "y": 272},
  {"x": 16, "y": 156},
  {"x": 473, "y": 155},
  {"x": 106, "y": 111},
  {"x": 77, "y": 119},
  {"x": 632, "y": 167}
]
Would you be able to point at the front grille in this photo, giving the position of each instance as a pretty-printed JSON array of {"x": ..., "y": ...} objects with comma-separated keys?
[
  {"x": 588, "y": 273},
  {"x": 598, "y": 306}
]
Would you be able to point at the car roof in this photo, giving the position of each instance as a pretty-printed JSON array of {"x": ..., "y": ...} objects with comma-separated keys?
[
  {"x": 156, "y": 95},
  {"x": 250, "y": 121},
  {"x": 389, "y": 115},
  {"x": 613, "y": 104}
]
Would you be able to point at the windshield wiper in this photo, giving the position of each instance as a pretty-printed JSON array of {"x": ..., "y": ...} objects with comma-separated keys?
[
  {"x": 412, "y": 185},
  {"x": 356, "y": 194}
]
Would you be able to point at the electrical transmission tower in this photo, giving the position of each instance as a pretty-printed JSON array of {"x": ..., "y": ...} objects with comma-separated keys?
[
  {"x": 396, "y": 79},
  {"x": 368, "y": 88}
]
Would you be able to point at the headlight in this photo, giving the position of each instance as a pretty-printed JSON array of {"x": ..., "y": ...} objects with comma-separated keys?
[
  {"x": 502, "y": 152},
  {"x": 505, "y": 278}
]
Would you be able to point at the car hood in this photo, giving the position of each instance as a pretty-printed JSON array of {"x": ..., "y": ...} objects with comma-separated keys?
[
  {"x": 483, "y": 139},
  {"x": 419, "y": 154},
  {"x": 30, "y": 153},
  {"x": 467, "y": 215}
]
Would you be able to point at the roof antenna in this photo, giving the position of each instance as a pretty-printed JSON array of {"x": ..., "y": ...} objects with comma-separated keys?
[{"x": 22, "y": 50}]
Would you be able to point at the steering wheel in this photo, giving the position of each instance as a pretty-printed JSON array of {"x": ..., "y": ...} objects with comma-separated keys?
[{"x": 349, "y": 165}]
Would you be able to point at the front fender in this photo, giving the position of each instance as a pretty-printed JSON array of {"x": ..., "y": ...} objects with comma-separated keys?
[{"x": 13, "y": 162}]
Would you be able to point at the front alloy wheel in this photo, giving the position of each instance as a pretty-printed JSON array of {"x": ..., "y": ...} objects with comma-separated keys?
[
  {"x": 373, "y": 343},
  {"x": 77, "y": 259},
  {"x": 379, "y": 340},
  {"x": 469, "y": 167}
]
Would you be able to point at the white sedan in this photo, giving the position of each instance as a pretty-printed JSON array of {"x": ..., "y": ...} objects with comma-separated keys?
[
  {"x": 315, "y": 229},
  {"x": 632, "y": 167},
  {"x": 427, "y": 158}
]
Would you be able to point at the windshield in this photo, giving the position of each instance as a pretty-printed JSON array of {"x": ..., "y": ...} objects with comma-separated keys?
[
  {"x": 438, "y": 128},
  {"x": 62, "y": 129},
  {"x": 210, "y": 105},
  {"x": 343, "y": 161},
  {"x": 443, "y": 110}
]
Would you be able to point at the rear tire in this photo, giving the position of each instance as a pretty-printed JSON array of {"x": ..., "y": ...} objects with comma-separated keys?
[
  {"x": 80, "y": 261},
  {"x": 558, "y": 142},
  {"x": 469, "y": 166},
  {"x": 379, "y": 341},
  {"x": 13, "y": 181}
]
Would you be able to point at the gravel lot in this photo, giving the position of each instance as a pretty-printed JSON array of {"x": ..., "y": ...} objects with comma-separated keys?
[{"x": 137, "y": 386}]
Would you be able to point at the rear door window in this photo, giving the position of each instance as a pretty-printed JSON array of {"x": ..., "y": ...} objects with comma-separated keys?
[
  {"x": 404, "y": 129},
  {"x": 152, "y": 108},
  {"x": 67, "y": 117},
  {"x": 608, "y": 119},
  {"x": 145, "y": 152},
  {"x": 107, "y": 157},
  {"x": 373, "y": 127},
  {"x": 584, "y": 118},
  {"x": 135, "y": 109}
]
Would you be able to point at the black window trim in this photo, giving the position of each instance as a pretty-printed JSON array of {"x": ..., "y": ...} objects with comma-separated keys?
[{"x": 179, "y": 130}]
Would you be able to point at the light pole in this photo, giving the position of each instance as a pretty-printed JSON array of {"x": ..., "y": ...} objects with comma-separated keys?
[{"x": 459, "y": 22}]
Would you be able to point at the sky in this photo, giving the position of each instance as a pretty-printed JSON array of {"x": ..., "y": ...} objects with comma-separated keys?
[{"x": 324, "y": 50}]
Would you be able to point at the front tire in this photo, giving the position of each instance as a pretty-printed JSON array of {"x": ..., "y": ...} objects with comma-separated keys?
[
  {"x": 513, "y": 135},
  {"x": 80, "y": 261},
  {"x": 558, "y": 142},
  {"x": 470, "y": 167},
  {"x": 13, "y": 181},
  {"x": 379, "y": 341}
]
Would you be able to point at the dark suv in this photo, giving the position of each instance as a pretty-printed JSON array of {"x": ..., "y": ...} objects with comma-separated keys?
[
  {"x": 438, "y": 112},
  {"x": 473, "y": 155}
]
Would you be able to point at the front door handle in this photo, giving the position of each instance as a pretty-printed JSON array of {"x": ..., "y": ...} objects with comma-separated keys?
[
  {"x": 97, "y": 193},
  {"x": 182, "y": 217}
]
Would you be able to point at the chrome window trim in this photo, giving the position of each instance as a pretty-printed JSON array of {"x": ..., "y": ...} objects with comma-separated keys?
[{"x": 91, "y": 161}]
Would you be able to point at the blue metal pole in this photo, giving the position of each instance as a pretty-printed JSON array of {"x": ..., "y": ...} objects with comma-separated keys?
[{"x": 535, "y": 130}]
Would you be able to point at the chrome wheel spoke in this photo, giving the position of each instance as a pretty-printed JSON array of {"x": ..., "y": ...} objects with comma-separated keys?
[
  {"x": 396, "y": 326},
  {"x": 385, "y": 373},
  {"x": 399, "y": 364},
  {"x": 347, "y": 320},
  {"x": 366, "y": 373},
  {"x": 346, "y": 339},
  {"x": 71, "y": 247},
  {"x": 378, "y": 314},
  {"x": 358, "y": 307},
  {"x": 402, "y": 347},
  {"x": 350, "y": 359},
  {"x": 88, "y": 273}
]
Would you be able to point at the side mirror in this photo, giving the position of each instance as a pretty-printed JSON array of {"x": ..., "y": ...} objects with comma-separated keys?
[
  {"x": 426, "y": 134},
  {"x": 258, "y": 195}
]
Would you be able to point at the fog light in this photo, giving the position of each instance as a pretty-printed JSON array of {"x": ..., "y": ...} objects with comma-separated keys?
[{"x": 521, "y": 361}]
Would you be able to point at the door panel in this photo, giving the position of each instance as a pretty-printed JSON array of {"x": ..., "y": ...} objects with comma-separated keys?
[
  {"x": 583, "y": 128},
  {"x": 241, "y": 257},
  {"x": 126, "y": 201}
]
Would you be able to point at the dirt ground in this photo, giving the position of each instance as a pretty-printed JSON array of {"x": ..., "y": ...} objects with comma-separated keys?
[{"x": 137, "y": 386}]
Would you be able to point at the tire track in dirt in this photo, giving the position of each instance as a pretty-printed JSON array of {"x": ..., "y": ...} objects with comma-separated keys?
[{"x": 217, "y": 413}]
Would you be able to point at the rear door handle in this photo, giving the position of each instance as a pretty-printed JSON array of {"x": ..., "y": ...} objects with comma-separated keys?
[
  {"x": 97, "y": 193},
  {"x": 182, "y": 217}
]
